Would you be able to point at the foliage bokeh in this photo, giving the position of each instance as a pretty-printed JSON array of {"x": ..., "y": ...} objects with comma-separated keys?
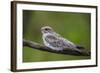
[{"x": 72, "y": 26}]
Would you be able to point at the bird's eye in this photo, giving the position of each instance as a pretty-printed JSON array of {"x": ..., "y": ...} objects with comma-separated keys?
[{"x": 46, "y": 29}]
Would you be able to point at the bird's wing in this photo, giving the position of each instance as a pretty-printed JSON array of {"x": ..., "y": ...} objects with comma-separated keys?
[{"x": 57, "y": 42}]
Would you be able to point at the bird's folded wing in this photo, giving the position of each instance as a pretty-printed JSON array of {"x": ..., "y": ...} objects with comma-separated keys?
[{"x": 58, "y": 42}]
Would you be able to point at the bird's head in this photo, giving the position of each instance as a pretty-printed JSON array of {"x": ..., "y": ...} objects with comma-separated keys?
[{"x": 46, "y": 29}]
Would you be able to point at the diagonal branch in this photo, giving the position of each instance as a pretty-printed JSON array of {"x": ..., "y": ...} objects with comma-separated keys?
[{"x": 37, "y": 46}]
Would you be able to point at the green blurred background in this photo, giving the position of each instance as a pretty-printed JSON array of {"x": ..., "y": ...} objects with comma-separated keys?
[{"x": 73, "y": 26}]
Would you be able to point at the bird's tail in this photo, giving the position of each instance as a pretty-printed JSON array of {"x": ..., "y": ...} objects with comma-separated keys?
[{"x": 83, "y": 51}]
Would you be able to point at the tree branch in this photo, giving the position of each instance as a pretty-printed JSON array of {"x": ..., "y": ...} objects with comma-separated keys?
[{"x": 37, "y": 46}]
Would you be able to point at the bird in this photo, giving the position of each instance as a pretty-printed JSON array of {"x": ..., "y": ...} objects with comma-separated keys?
[{"x": 56, "y": 42}]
